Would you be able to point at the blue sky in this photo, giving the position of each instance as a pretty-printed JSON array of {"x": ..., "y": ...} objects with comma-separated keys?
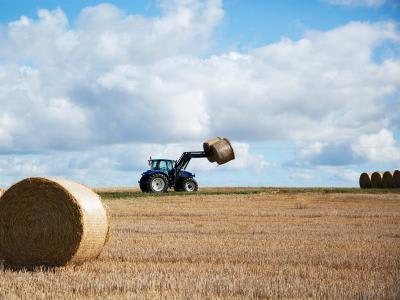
[{"x": 307, "y": 90}]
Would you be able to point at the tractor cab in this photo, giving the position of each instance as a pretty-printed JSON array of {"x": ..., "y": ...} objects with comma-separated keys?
[
  {"x": 161, "y": 164},
  {"x": 164, "y": 165}
]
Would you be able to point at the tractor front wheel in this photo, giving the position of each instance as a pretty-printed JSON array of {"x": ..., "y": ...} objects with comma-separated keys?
[
  {"x": 189, "y": 185},
  {"x": 157, "y": 183}
]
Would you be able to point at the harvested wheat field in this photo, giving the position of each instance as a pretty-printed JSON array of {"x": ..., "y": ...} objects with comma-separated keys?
[{"x": 235, "y": 244}]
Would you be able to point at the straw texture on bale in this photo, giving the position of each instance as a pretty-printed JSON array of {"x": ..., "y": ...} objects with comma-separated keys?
[
  {"x": 365, "y": 180},
  {"x": 51, "y": 222},
  {"x": 387, "y": 180},
  {"x": 396, "y": 178},
  {"x": 207, "y": 148},
  {"x": 220, "y": 150},
  {"x": 376, "y": 180}
]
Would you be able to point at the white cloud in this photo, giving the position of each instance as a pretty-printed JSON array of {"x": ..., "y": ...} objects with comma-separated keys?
[
  {"x": 114, "y": 79},
  {"x": 119, "y": 78},
  {"x": 378, "y": 147},
  {"x": 367, "y": 3}
]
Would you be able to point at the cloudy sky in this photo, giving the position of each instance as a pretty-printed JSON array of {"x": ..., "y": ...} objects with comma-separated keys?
[{"x": 308, "y": 91}]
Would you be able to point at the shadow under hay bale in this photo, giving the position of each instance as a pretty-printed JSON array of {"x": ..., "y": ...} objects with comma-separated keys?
[
  {"x": 220, "y": 150},
  {"x": 376, "y": 180},
  {"x": 387, "y": 180},
  {"x": 396, "y": 178},
  {"x": 51, "y": 222},
  {"x": 365, "y": 180}
]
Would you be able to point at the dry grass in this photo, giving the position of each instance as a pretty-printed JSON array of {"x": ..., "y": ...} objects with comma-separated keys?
[{"x": 261, "y": 245}]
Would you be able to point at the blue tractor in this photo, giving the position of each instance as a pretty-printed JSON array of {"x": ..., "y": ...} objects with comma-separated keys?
[{"x": 166, "y": 173}]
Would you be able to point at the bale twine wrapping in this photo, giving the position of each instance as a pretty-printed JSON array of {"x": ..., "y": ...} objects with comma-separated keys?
[
  {"x": 51, "y": 222},
  {"x": 396, "y": 178},
  {"x": 365, "y": 180},
  {"x": 221, "y": 151},
  {"x": 376, "y": 180},
  {"x": 387, "y": 180}
]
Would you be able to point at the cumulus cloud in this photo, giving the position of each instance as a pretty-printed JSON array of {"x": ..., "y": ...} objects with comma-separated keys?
[
  {"x": 378, "y": 147},
  {"x": 113, "y": 79}
]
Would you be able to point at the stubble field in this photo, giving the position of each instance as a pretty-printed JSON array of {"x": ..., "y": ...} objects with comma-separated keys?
[{"x": 227, "y": 244}]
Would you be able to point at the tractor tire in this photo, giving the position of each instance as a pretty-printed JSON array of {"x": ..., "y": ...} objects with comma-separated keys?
[
  {"x": 156, "y": 183},
  {"x": 188, "y": 185},
  {"x": 142, "y": 184}
]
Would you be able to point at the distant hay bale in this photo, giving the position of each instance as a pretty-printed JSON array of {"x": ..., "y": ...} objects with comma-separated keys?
[
  {"x": 387, "y": 180},
  {"x": 51, "y": 222},
  {"x": 396, "y": 178},
  {"x": 376, "y": 180},
  {"x": 220, "y": 150},
  {"x": 365, "y": 180}
]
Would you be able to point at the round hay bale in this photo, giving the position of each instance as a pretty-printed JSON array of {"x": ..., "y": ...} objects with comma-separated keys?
[
  {"x": 365, "y": 180},
  {"x": 387, "y": 180},
  {"x": 207, "y": 148},
  {"x": 396, "y": 178},
  {"x": 222, "y": 151},
  {"x": 51, "y": 222},
  {"x": 376, "y": 180}
]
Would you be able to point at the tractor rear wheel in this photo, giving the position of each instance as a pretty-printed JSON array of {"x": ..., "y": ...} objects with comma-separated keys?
[
  {"x": 142, "y": 184},
  {"x": 157, "y": 183},
  {"x": 189, "y": 185}
]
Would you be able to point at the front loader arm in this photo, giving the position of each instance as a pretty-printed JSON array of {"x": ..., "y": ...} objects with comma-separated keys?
[{"x": 185, "y": 158}]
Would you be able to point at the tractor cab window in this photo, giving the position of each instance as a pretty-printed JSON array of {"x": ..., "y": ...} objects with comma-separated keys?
[
  {"x": 169, "y": 165},
  {"x": 155, "y": 165},
  {"x": 161, "y": 165}
]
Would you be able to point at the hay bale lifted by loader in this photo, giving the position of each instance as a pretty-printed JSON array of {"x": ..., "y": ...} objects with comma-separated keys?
[{"x": 166, "y": 173}]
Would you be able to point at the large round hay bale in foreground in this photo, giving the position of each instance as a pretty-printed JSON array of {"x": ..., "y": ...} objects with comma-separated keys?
[
  {"x": 376, "y": 180},
  {"x": 387, "y": 180},
  {"x": 51, "y": 222},
  {"x": 365, "y": 180},
  {"x": 396, "y": 178}
]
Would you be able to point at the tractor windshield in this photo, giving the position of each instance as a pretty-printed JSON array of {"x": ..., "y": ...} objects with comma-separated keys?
[{"x": 165, "y": 165}]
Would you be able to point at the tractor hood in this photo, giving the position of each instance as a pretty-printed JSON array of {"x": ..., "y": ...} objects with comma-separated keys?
[
  {"x": 148, "y": 172},
  {"x": 181, "y": 173},
  {"x": 186, "y": 174}
]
